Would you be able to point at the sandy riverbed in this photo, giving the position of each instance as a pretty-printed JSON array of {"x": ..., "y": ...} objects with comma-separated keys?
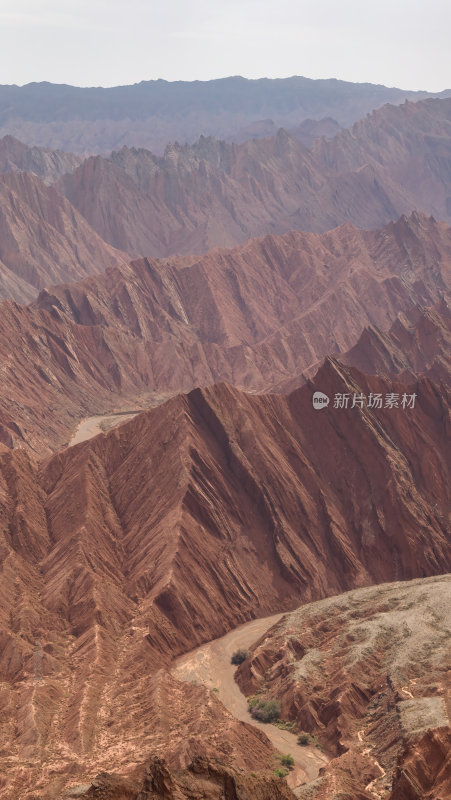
[{"x": 210, "y": 665}]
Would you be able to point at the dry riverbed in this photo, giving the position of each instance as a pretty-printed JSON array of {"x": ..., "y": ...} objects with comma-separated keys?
[
  {"x": 91, "y": 426},
  {"x": 210, "y": 665}
]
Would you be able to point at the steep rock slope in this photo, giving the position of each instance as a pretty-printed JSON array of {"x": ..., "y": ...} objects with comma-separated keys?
[
  {"x": 424, "y": 768},
  {"x": 43, "y": 239},
  {"x": 212, "y": 193},
  {"x": 213, "y": 508},
  {"x": 198, "y": 197},
  {"x": 204, "y": 778},
  {"x": 254, "y": 316},
  {"x": 409, "y": 145},
  {"x": 418, "y": 343},
  {"x": 48, "y": 165},
  {"x": 367, "y": 673}
]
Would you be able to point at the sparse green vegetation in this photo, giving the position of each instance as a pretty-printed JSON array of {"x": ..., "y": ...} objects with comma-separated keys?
[
  {"x": 285, "y": 725},
  {"x": 287, "y": 761},
  {"x": 264, "y": 710},
  {"x": 239, "y": 656},
  {"x": 281, "y": 772},
  {"x": 215, "y": 689},
  {"x": 305, "y": 739}
]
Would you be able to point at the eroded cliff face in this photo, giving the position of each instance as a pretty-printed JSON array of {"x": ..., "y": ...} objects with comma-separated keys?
[
  {"x": 213, "y": 193},
  {"x": 207, "y": 779},
  {"x": 366, "y": 674},
  {"x": 256, "y": 317},
  {"x": 49, "y": 165},
  {"x": 43, "y": 239},
  {"x": 418, "y": 343},
  {"x": 424, "y": 767},
  {"x": 211, "y": 509}
]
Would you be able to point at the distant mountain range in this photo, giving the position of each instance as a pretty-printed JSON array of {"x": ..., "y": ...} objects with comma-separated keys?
[
  {"x": 63, "y": 217},
  {"x": 152, "y": 113},
  {"x": 211, "y": 193}
]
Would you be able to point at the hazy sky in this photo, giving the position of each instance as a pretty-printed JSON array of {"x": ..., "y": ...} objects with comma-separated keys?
[{"x": 109, "y": 42}]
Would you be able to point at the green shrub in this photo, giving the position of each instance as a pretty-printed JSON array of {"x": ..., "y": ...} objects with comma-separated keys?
[
  {"x": 304, "y": 739},
  {"x": 239, "y": 656},
  {"x": 285, "y": 725},
  {"x": 287, "y": 761},
  {"x": 265, "y": 710},
  {"x": 281, "y": 772}
]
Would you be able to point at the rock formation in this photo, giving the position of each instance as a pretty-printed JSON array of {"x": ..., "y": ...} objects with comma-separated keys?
[
  {"x": 366, "y": 674},
  {"x": 211, "y": 509},
  {"x": 212, "y": 193},
  {"x": 255, "y": 316},
  {"x": 43, "y": 239},
  {"x": 47, "y": 164}
]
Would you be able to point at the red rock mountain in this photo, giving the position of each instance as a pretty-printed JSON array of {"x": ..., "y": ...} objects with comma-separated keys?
[
  {"x": 47, "y": 164},
  {"x": 417, "y": 344},
  {"x": 366, "y": 673},
  {"x": 197, "y": 515},
  {"x": 254, "y": 316},
  {"x": 43, "y": 239},
  {"x": 212, "y": 193}
]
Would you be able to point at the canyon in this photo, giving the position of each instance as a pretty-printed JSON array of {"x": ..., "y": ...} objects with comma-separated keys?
[
  {"x": 126, "y": 550},
  {"x": 170, "y": 492}
]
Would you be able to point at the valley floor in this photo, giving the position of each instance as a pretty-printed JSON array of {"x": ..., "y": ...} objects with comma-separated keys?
[
  {"x": 92, "y": 426},
  {"x": 211, "y": 666}
]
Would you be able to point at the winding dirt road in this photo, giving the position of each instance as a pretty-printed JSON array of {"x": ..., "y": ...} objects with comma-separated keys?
[{"x": 210, "y": 665}]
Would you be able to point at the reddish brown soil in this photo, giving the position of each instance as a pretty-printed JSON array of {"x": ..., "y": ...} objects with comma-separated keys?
[{"x": 214, "y": 508}]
